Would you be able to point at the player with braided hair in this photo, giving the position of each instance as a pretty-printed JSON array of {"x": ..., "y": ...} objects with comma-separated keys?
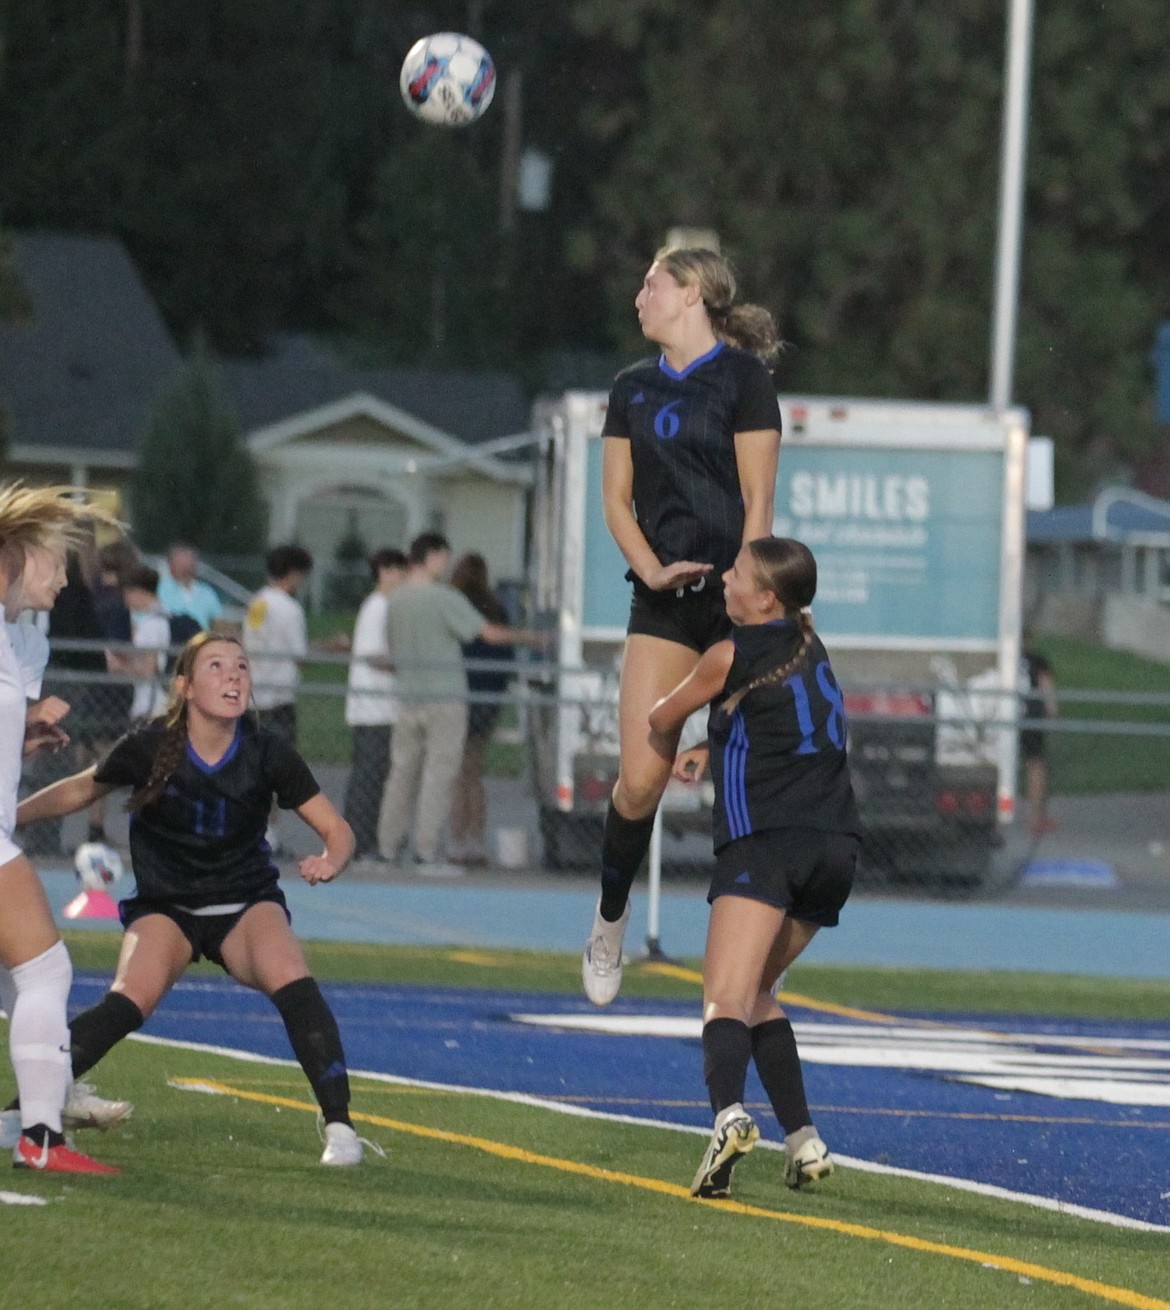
[
  {"x": 38, "y": 525},
  {"x": 203, "y": 777},
  {"x": 787, "y": 835}
]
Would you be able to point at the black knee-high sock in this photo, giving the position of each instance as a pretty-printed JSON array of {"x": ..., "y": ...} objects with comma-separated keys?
[
  {"x": 727, "y": 1049},
  {"x": 316, "y": 1043},
  {"x": 624, "y": 843},
  {"x": 94, "y": 1031},
  {"x": 778, "y": 1064}
]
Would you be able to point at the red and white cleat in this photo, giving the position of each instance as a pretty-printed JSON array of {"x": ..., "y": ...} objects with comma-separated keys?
[{"x": 63, "y": 1159}]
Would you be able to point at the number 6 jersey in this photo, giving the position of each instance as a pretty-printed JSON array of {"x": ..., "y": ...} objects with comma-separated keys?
[{"x": 778, "y": 760}]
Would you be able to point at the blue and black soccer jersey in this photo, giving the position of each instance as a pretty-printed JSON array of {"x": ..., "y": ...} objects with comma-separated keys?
[
  {"x": 778, "y": 760},
  {"x": 681, "y": 427},
  {"x": 202, "y": 841}
]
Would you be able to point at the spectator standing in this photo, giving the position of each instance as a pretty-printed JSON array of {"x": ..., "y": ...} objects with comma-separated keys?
[
  {"x": 370, "y": 706},
  {"x": 427, "y": 623},
  {"x": 113, "y": 562},
  {"x": 275, "y": 639},
  {"x": 152, "y": 636},
  {"x": 181, "y": 592},
  {"x": 468, "y": 818},
  {"x": 1039, "y": 687}
]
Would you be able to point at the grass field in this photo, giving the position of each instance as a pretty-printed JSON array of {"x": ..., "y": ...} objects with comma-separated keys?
[
  {"x": 1083, "y": 762},
  {"x": 485, "y": 1203}
]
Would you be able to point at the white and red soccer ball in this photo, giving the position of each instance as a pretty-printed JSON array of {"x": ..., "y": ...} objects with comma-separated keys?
[
  {"x": 97, "y": 865},
  {"x": 448, "y": 79}
]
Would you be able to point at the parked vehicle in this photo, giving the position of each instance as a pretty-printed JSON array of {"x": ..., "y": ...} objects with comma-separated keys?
[{"x": 915, "y": 512}]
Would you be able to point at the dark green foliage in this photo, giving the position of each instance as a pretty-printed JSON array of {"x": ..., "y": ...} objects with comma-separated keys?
[
  {"x": 14, "y": 305},
  {"x": 258, "y": 162},
  {"x": 195, "y": 481}
]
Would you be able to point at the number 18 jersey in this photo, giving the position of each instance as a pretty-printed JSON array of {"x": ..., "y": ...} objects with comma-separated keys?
[{"x": 778, "y": 760}]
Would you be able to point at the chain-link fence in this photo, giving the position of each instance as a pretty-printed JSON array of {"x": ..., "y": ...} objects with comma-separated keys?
[{"x": 934, "y": 768}]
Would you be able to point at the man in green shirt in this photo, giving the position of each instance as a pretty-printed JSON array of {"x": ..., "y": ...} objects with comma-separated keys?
[{"x": 427, "y": 625}]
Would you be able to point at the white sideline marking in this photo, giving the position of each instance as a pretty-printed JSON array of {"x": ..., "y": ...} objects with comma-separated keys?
[
  {"x": 540, "y": 1103},
  {"x": 19, "y": 1198},
  {"x": 1115, "y": 1071}
]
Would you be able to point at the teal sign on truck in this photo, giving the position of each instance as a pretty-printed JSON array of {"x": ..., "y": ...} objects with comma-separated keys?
[{"x": 907, "y": 540}]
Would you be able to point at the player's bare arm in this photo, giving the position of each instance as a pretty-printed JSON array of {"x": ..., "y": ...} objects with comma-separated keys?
[
  {"x": 695, "y": 691},
  {"x": 321, "y": 815},
  {"x": 757, "y": 456},
  {"x": 617, "y": 494},
  {"x": 61, "y": 798}
]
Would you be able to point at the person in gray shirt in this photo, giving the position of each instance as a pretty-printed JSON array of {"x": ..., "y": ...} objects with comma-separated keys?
[{"x": 427, "y": 624}]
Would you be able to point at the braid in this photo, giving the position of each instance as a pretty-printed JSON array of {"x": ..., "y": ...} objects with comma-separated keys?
[
  {"x": 167, "y": 757},
  {"x": 804, "y": 622}
]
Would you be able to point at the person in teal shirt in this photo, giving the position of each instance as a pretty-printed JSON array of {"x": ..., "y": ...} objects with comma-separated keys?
[{"x": 181, "y": 592}]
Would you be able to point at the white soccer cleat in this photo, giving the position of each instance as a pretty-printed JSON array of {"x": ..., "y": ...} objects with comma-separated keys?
[
  {"x": 734, "y": 1136},
  {"x": 85, "y": 1109},
  {"x": 809, "y": 1162},
  {"x": 343, "y": 1147},
  {"x": 601, "y": 965}
]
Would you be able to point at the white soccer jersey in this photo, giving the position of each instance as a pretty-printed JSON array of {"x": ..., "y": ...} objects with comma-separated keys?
[{"x": 24, "y": 652}]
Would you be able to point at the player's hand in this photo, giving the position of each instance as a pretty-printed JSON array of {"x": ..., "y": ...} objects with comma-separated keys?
[
  {"x": 40, "y": 738},
  {"x": 50, "y": 710},
  {"x": 316, "y": 868},
  {"x": 689, "y": 766},
  {"x": 682, "y": 573}
]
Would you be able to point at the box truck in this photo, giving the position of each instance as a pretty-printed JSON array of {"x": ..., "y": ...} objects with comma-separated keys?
[{"x": 915, "y": 513}]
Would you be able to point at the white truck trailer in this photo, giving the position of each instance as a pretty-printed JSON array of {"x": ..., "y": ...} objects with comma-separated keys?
[{"x": 915, "y": 513}]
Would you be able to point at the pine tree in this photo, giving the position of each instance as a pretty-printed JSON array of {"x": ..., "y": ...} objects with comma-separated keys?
[{"x": 195, "y": 480}]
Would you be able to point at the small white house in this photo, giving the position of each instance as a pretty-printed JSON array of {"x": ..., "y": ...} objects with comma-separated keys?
[{"x": 360, "y": 465}]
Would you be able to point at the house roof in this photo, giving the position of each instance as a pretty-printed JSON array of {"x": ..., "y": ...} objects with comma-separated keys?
[
  {"x": 1117, "y": 514},
  {"x": 78, "y": 381},
  {"x": 82, "y": 374},
  {"x": 298, "y": 377}
]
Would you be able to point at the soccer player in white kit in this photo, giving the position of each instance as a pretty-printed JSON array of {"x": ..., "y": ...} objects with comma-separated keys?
[{"x": 37, "y": 526}]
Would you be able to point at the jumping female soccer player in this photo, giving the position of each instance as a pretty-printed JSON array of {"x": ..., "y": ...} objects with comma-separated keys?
[
  {"x": 203, "y": 779},
  {"x": 37, "y": 527},
  {"x": 688, "y": 475},
  {"x": 787, "y": 836}
]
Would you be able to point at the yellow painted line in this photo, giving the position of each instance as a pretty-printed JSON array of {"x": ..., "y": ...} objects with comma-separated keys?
[
  {"x": 480, "y": 958},
  {"x": 1008, "y": 1264},
  {"x": 793, "y": 998},
  {"x": 673, "y": 971}
]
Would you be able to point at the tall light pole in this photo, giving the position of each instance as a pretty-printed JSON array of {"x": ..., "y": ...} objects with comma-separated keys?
[{"x": 1013, "y": 151}]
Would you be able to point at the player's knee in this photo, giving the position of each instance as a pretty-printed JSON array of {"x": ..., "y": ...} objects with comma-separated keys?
[
  {"x": 726, "y": 1003},
  {"x": 636, "y": 795},
  {"x": 51, "y": 971}
]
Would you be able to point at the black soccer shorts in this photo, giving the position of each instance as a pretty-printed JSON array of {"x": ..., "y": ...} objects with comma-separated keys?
[{"x": 804, "y": 871}]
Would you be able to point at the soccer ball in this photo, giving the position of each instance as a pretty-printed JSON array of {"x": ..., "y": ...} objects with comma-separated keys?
[
  {"x": 97, "y": 865},
  {"x": 447, "y": 79}
]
